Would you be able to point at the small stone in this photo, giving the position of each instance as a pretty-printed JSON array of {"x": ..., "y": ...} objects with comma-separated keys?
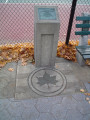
[
  {"x": 11, "y": 69},
  {"x": 87, "y": 98},
  {"x": 24, "y": 63},
  {"x": 82, "y": 90},
  {"x": 2, "y": 64},
  {"x": 89, "y": 102},
  {"x": 57, "y": 66}
]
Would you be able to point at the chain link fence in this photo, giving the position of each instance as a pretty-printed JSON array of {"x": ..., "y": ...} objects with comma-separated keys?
[{"x": 17, "y": 19}]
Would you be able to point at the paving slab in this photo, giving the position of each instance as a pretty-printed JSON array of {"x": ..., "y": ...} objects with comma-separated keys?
[
  {"x": 43, "y": 105},
  {"x": 47, "y": 81},
  {"x": 30, "y": 103},
  {"x": 74, "y": 115},
  {"x": 24, "y": 91},
  {"x": 79, "y": 96},
  {"x": 55, "y": 100},
  {"x": 82, "y": 73},
  {"x": 22, "y": 88},
  {"x": 59, "y": 111},
  {"x": 8, "y": 80},
  {"x": 23, "y": 104},
  {"x": 46, "y": 116},
  {"x": 30, "y": 114},
  {"x": 4, "y": 115},
  {"x": 16, "y": 118},
  {"x": 4, "y": 103},
  {"x": 69, "y": 102},
  {"x": 86, "y": 117},
  {"x": 68, "y": 108},
  {"x": 87, "y": 85},
  {"x": 83, "y": 107}
]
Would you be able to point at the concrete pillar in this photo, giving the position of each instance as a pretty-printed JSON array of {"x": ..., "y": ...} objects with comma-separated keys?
[{"x": 46, "y": 35}]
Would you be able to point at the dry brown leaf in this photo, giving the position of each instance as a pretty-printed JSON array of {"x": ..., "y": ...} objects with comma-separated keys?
[
  {"x": 82, "y": 90},
  {"x": 88, "y": 94},
  {"x": 57, "y": 66},
  {"x": 11, "y": 69},
  {"x": 9, "y": 53},
  {"x": 33, "y": 62},
  {"x": 87, "y": 98},
  {"x": 2, "y": 64},
  {"x": 15, "y": 52},
  {"x": 1, "y": 58},
  {"x": 30, "y": 58},
  {"x": 88, "y": 62},
  {"x": 22, "y": 60},
  {"x": 67, "y": 52},
  {"x": 24, "y": 63}
]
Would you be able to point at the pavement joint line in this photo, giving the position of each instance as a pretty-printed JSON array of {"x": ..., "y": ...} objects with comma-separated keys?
[
  {"x": 15, "y": 78},
  {"x": 53, "y": 115},
  {"x": 84, "y": 85},
  {"x": 80, "y": 111},
  {"x": 65, "y": 117},
  {"x": 75, "y": 98},
  {"x": 37, "y": 110}
]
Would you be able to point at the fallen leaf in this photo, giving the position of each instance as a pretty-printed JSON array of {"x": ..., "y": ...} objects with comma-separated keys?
[
  {"x": 1, "y": 58},
  {"x": 24, "y": 63},
  {"x": 87, "y": 98},
  {"x": 15, "y": 52},
  {"x": 67, "y": 52},
  {"x": 88, "y": 62},
  {"x": 11, "y": 69},
  {"x": 82, "y": 90},
  {"x": 2, "y": 64},
  {"x": 87, "y": 94},
  {"x": 57, "y": 66}
]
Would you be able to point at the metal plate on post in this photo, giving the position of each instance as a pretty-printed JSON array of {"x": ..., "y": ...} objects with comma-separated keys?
[
  {"x": 46, "y": 27},
  {"x": 47, "y": 13}
]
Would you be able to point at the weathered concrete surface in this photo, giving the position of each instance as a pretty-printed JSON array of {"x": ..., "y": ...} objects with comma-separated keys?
[
  {"x": 8, "y": 81},
  {"x": 69, "y": 106},
  {"x": 45, "y": 38},
  {"x": 15, "y": 84},
  {"x": 80, "y": 59},
  {"x": 75, "y": 75}
]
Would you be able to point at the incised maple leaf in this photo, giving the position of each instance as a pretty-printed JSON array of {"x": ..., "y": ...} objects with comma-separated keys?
[{"x": 47, "y": 79}]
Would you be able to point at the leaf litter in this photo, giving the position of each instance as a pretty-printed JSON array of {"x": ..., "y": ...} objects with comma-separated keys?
[
  {"x": 16, "y": 52},
  {"x": 25, "y": 52}
]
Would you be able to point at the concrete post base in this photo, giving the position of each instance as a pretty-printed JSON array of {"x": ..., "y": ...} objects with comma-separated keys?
[{"x": 80, "y": 59}]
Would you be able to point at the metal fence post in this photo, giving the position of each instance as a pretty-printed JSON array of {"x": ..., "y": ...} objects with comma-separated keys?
[{"x": 71, "y": 20}]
